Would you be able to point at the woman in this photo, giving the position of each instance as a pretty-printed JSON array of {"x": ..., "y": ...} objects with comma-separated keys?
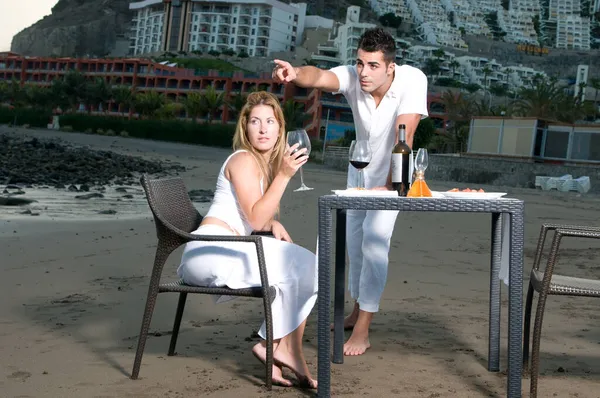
[{"x": 249, "y": 188}]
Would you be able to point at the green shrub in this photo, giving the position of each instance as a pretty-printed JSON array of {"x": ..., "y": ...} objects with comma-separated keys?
[
  {"x": 219, "y": 135},
  {"x": 30, "y": 116},
  {"x": 67, "y": 129}
]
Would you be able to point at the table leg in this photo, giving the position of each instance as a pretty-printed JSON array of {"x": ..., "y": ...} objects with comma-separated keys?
[
  {"x": 338, "y": 295},
  {"x": 515, "y": 305},
  {"x": 494, "y": 320},
  {"x": 323, "y": 301}
]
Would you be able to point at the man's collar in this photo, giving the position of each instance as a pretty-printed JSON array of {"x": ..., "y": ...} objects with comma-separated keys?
[{"x": 394, "y": 89}]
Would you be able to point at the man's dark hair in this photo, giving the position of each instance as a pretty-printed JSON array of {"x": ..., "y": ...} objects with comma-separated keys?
[{"x": 377, "y": 39}]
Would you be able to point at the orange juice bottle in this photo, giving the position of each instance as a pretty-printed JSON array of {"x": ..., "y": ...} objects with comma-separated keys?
[{"x": 419, "y": 188}]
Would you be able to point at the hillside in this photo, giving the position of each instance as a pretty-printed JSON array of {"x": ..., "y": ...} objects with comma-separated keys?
[{"x": 76, "y": 28}]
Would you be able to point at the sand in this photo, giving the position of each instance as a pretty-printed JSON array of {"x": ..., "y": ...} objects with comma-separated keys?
[{"x": 73, "y": 285}]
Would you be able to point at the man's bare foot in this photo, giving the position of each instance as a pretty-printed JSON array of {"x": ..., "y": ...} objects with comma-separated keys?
[
  {"x": 358, "y": 342},
  {"x": 351, "y": 319},
  {"x": 260, "y": 352},
  {"x": 296, "y": 364},
  {"x": 357, "y": 345}
]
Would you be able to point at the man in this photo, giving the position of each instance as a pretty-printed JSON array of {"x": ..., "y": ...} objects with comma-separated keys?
[{"x": 382, "y": 96}]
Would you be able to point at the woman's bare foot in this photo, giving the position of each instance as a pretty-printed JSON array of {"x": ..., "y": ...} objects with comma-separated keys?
[
  {"x": 351, "y": 319},
  {"x": 260, "y": 352},
  {"x": 296, "y": 364}
]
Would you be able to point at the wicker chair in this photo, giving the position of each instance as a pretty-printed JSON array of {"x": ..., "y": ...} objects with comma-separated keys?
[
  {"x": 546, "y": 282},
  {"x": 175, "y": 217}
]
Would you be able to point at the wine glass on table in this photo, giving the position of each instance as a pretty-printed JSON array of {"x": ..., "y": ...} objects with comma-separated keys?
[
  {"x": 360, "y": 157},
  {"x": 300, "y": 137}
]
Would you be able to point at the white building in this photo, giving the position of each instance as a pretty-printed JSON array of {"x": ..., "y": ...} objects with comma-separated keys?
[
  {"x": 521, "y": 76},
  {"x": 348, "y": 34},
  {"x": 256, "y": 27},
  {"x": 573, "y": 32},
  {"x": 147, "y": 26},
  {"x": 396, "y": 7}
]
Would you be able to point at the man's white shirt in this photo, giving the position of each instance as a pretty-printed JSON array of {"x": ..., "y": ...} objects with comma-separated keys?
[{"x": 406, "y": 95}]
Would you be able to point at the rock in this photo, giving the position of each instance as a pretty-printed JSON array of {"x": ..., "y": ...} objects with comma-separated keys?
[
  {"x": 89, "y": 196},
  {"x": 39, "y": 161},
  {"x": 12, "y": 201},
  {"x": 107, "y": 211},
  {"x": 201, "y": 195}
]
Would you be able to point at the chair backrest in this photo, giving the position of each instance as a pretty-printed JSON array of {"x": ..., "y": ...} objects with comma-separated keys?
[{"x": 170, "y": 203}]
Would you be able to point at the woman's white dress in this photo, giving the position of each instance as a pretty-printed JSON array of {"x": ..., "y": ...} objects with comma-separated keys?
[{"x": 291, "y": 269}]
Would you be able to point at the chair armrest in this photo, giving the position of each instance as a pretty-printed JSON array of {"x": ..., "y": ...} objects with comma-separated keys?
[
  {"x": 553, "y": 227},
  {"x": 581, "y": 232},
  {"x": 260, "y": 253},
  {"x": 263, "y": 233}
]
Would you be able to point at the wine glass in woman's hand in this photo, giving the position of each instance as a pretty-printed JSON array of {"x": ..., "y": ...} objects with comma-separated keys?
[{"x": 300, "y": 137}]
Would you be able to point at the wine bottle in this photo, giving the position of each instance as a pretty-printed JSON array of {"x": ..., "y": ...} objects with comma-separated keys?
[{"x": 401, "y": 164}]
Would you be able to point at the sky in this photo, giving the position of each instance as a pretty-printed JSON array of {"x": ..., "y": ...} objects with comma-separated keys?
[{"x": 16, "y": 15}]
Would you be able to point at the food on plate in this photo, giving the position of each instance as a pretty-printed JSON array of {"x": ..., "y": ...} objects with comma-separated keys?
[{"x": 466, "y": 190}]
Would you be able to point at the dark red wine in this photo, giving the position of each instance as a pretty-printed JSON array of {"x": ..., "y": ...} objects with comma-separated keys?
[{"x": 358, "y": 164}]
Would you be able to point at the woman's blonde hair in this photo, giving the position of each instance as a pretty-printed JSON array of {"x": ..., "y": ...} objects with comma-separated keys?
[{"x": 240, "y": 138}]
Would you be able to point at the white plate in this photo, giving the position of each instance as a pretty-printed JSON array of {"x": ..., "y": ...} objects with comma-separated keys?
[
  {"x": 473, "y": 195},
  {"x": 364, "y": 192}
]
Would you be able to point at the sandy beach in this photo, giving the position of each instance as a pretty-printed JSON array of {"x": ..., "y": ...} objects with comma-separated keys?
[{"x": 73, "y": 285}]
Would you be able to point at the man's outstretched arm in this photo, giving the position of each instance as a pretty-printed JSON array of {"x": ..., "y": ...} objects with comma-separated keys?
[{"x": 305, "y": 76}]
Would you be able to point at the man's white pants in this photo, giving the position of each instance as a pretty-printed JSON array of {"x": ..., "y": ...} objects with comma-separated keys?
[{"x": 368, "y": 235}]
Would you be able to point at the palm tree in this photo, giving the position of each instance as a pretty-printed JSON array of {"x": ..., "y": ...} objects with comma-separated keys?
[
  {"x": 169, "y": 111},
  {"x": 236, "y": 103},
  {"x": 459, "y": 109},
  {"x": 75, "y": 88},
  {"x": 147, "y": 103},
  {"x": 195, "y": 105},
  {"x": 38, "y": 96},
  {"x": 98, "y": 93},
  {"x": 595, "y": 84},
  {"x": 4, "y": 90},
  {"x": 213, "y": 101},
  {"x": 124, "y": 98},
  {"x": 546, "y": 100},
  {"x": 294, "y": 115},
  {"x": 454, "y": 64}
]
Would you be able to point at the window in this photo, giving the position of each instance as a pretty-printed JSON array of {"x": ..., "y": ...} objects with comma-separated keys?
[
  {"x": 251, "y": 42},
  {"x": 235, "y": 10},
  {"x": 233, "y": 30},
  {"x": 255, "y": 11},
  {"x": 253, "y": 32},
  {"x": 253, "y": 21},
  {"x": 212, "y": 39},
  {"x": 234, "y": 20},
  {"x": 231, "y": 40},
  {"x": 214, "y": 29}
]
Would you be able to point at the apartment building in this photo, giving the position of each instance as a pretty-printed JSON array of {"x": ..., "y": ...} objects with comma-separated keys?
[
  {"x": 518, "y": 27},
  {"x": 521, "y": 76},
  {"x": 558, "y": 8},
  {"x": 467, "y": 14},
  {"x": 530, "y": 7},
  {"x": 254, "y": 27},
  {"x": 396, "y": 7},
  {"x": 573, "y": 32}
]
